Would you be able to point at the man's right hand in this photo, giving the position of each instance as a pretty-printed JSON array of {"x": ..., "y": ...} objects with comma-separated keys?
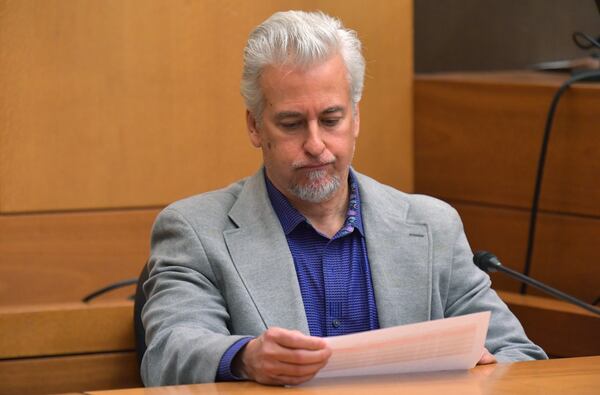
[{"x": 280, "y": 356}]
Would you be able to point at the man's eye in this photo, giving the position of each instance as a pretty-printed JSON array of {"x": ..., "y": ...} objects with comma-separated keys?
[
  {"x": 330, "y": 121},
  {"x": 290, "y": 125}
]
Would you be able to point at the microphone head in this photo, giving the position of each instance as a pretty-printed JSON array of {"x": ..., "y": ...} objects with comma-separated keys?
[{"x": 486, "y": 261}]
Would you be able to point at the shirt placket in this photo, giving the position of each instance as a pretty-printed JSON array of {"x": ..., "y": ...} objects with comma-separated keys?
[{"x": 336, "y": 288}]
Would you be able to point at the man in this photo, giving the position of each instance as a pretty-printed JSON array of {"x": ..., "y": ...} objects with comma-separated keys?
[{"x": 245, "y": 281}]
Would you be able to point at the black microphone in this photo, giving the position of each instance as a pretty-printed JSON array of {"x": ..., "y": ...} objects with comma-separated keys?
[{"x": 488, "y": 262}]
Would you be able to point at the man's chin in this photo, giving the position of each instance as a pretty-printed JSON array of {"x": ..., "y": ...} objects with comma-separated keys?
[
  {"x": 316, "y": 183},
  {"x": 316, "y": 191}
]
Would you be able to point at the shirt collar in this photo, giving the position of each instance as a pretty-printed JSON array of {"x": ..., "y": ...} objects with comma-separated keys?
[{"x": 289, "y": 217}]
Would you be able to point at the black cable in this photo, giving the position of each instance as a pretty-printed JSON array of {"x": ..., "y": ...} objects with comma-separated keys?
[
  {"x": 108, "y": 288},
  {"x": 596, "y": 301},
  {"x": 585, "y": 75}
]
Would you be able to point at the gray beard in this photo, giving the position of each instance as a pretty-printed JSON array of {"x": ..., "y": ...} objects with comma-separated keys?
[{"x": 316, "y": 191}]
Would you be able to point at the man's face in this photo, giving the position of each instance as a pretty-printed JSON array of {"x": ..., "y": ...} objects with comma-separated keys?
[{"x": 308, "y": 129}]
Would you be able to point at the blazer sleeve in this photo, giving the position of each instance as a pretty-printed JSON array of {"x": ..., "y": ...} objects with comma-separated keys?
[
  {"x": 185, "y": 316},
  {"x": 470, "y": 291}
]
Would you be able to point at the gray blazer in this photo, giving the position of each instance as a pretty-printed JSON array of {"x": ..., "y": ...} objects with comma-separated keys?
[{"x": 221, "y": 269}]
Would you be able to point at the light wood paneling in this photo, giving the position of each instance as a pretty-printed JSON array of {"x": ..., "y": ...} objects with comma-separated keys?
[
  {"x": 55, "y": 375},
  {"x": 478, "y": 137},
  {"x": 54, "y": 258},
  {"x": 60, "y": 329},
  {"x": 385, "y": 146},
  {"x": 564, "y": 256},
  {"x": 500, "y": 231},
  {"x": 136, "y": 103}
]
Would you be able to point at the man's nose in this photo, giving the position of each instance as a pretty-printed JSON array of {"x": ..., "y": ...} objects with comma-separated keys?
[{"x": 314, "y": 144}]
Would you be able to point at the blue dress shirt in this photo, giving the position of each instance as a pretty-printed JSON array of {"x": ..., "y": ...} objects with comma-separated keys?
[{"x": 333, "y": 274}]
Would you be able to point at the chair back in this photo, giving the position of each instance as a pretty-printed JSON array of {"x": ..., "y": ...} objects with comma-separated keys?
[{"x": 138, "y": 305}]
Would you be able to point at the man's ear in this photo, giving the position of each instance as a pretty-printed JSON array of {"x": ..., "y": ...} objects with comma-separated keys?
[
  {"x": 253, "y": 130},
  {"x": 356, "y": 120}
]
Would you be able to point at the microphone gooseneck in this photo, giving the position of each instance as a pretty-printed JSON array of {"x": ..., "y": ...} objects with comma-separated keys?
[{"x": 488, "y": 262}]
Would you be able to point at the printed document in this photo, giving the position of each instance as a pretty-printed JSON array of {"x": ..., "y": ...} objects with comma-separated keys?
[{"x": 446, "y": 344}]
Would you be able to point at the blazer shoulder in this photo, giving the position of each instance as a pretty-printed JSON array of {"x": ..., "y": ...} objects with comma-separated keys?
[
  {"x": 424, "y": 207},
  {"x": 205, "y": 208},
  {"x": 419, "y": 208}
]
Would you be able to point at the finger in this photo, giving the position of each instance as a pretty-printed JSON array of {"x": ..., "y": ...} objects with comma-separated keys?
[
  {"x": 486, "y": 358},
  {"x": 271, "y": 366},
  {"x": 273, "y": 349},
  {"x": 294, "y": 339},
  {"x": 294, "y": 370},
  {"x": 304, "y": 357}
]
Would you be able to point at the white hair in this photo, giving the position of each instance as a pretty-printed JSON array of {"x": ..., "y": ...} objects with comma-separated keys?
[{"x": 301, "y": 39}]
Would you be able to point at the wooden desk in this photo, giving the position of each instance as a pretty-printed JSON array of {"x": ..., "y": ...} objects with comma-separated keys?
[{"x": 559, "y": 376}]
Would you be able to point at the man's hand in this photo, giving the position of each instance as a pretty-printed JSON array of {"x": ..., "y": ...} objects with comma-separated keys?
[
  {"x": 486, "y": 358},
  {"x": 280, "y": 356}
]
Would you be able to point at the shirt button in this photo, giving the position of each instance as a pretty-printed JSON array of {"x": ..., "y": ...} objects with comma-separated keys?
[{"x": 336, "y": 323}]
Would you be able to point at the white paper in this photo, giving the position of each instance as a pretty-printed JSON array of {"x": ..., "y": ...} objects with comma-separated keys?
[{"x": 447, "y": 344}]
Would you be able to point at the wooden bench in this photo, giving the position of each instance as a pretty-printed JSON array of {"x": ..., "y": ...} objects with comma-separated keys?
[{"x": 71, "y": 347}]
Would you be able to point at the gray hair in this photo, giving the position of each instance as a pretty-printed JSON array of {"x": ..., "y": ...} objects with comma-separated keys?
[{"x": 302, "y": 39}]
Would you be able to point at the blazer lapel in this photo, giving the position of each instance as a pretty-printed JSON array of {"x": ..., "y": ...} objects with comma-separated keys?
[
  {"x": 261, "y": 255},
  {"x": 399, "y": 257}
]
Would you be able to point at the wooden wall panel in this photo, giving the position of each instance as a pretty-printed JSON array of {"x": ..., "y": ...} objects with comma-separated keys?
[
  {"x": 478, "y": 137},
  {"x": 385, "y": 146},
  {"x": 136, "y": 103},
  {"x": 61, "y": 257},
  {"x": 564, "y": 255},
  {"x": 500, "y": 231}
]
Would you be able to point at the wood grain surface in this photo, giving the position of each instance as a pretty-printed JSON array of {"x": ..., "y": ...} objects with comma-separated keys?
[
  {"x": 477, "y": 141},
  {"x": 560, "y": 328},
  {"x": 478, "y": 138},
  {"x": 54, "y": 375},
  {"x": 553, "y": 377},
  {"x": 114, "y": 104},
  {"x": 61, "y": 257},
  {"x": 564, "y": 253},
  {"x": 76, "y": 347},
  {"x": 63, "y": 329}
]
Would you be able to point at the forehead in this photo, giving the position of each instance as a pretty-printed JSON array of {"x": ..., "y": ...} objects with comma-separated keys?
[{"x": 291, "y": 88}]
